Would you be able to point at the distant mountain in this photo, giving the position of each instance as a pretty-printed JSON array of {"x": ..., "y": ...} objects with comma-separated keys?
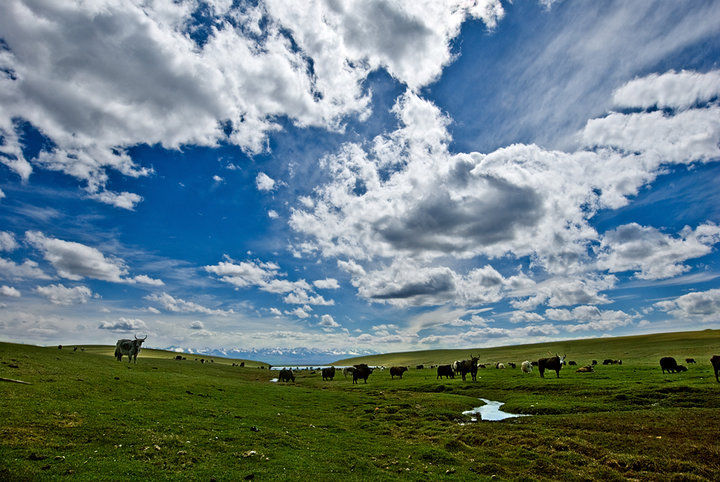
[{"x": 276, "y": 356}]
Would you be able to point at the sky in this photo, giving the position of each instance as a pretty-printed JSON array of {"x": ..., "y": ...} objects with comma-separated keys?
[{"x": 304, "y": 181}]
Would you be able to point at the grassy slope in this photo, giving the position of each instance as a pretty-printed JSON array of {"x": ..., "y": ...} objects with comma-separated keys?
[
  {"x": 640, "y": 349},
  {"x": 90, "y": 417}
]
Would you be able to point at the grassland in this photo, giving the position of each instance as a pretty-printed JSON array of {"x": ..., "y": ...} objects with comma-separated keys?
[{"x": 86, "y": 416}]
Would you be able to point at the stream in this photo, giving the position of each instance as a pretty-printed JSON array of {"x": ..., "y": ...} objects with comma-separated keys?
[{"x": 490, "y": 412}]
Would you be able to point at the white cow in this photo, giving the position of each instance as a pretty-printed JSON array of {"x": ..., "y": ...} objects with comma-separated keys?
[{"x": 526, "y": 367}]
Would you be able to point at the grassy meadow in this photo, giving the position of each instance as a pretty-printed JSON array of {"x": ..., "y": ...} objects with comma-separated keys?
[{"x": 83, "y": 415}]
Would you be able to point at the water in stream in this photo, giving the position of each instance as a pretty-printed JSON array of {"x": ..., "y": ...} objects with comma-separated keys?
[{"x": 490, "y": 412}]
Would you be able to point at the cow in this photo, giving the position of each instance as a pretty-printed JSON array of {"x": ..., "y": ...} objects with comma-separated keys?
[
  {"x": 553, "y": 363},
  {"x": 361, "y": 371},
  {"x": 608, "y": 361},
  {"x": 468, "y": 366},
  {"x": 131, "y": 348},
  {"x": 526, "y": 367},
  {"x": 328, "y": 373},
  {"x": 179, "y": 357},
  {"x": 594, "y": 362},
  {"x": 512, "y": 365},
  {"x": 445, "y": 371},
  {"x": 348, "y": 371},
  {"x": 499, "y": 365},
  {"x": 585, "y": 369},
  {"x": 420, "y": 367},
  {"x": 668, "y": 363},
  {"x": 572, "y": 363},
  {"x": 715, "y": 361},
  {"x": 286, "y": 375},
  {"x": 397, "y": 372},
  {"x": 690, "y": 360}
]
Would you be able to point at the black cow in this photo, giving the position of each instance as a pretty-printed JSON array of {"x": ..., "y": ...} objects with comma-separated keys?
[
  {"x": 286, "y": 375},
  {"x": 328, "y": 373},
  {"x": 361, "y": 371},
  {"x": 668, "y": 363},
  {"x": 445, "y": 371},
  {"x": 690, "y": 360},
  {"x": 420, "y": 367},
  {"x": 553, "y": 363},
  {"x": 512, "y": 364},
  {"x": 715, "y": 361},
  {"x": 468, "y": 366},
  {"x": 594, "y": 362},
  {"x": 397, "y": 372},
  {"x": 608, "y": 361},
  {"x": 572, "y": 363}
]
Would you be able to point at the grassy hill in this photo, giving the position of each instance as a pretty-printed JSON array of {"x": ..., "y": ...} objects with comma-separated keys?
[
  {"x": 84, "y": 415},
  {"x": 639, "y": 349}
]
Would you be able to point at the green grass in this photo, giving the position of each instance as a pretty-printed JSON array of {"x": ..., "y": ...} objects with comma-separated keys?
[{"x": 88, "y": 417}]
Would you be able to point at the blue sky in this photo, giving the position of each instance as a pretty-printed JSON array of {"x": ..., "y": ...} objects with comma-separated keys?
[{"x": 303, "y": 181}]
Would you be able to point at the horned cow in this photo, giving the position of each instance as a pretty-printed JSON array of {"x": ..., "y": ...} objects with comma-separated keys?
[
  {"x": 553, "y": 363},
  {"x": 468, "y": 366},
  {"x": 361, "y": 371},
  {"x": 131, "y": 348}
]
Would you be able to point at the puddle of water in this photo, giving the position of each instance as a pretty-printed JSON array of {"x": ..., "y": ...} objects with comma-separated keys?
[{"x": 490, "y": 412}]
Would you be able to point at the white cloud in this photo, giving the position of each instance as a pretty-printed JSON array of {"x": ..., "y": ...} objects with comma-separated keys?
[
  {"x": 98, "y": 78},
  {"x": 7, "y": 241},
  {"x": 197, "y": 325},
  {"x": 272, "y": 214},
  {"x": 394, "y": 211},
  {"x": 327, "y": 321},
  {"x": 264, "y": 182},
  {"x": 652, "y": 254},
  {"x": 123, "y": 324},
  {"x": 681, "y": 90},
  {"x": 703, "y": 306},
  {"x": 75, "y": 261},
  {"x": 59, "y": 294},
  {"x": 9, "y": 291},
  {"x": 28, "y": 269},
  {"x": 178, "y": 305},
  {"x": 327, "y": 284}
]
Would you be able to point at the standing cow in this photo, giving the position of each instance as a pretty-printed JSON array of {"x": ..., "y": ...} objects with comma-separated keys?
[
  {"x": 468, "y": 366},
  {"x": 361, "y": 371},
  {"x": 286, "y": 375},
  {"x": 131, "y": 348},
  {"x": 526, "y": 367},
  {"x": 328, "y": 373},
  {"x": 445, "y": 371},
  {"x": 397, "y": 372},
  {"x": 553, "y": 363},
  {"x": 715, "y": 360}
]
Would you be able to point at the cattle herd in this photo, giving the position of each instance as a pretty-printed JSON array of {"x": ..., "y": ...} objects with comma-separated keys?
[{"x": 131, "y": 349}]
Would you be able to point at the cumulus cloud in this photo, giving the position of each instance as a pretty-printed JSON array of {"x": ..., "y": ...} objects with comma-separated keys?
[
  {"x": 75, "y": 261},
  {"x": 27, "y": 270},
  {"x": 197, "y": 325},
  {"x": 327, "y": 321},
  {"x": 702, "y": 305},
  {"x": 395, "y": 210},
  {"x": 123, "y": 324},
  {"x": 264, "y": 182},
  {"x": 7, "y": 241},
  {"x": 327, "y": 284},
  {"x": 178, "y": 305},
  {"x": 59, "y": 294},
  {"x": 9, "y": 291},
  {"x": 652, "y": 254},
  {"x": 98, "y": 78}
]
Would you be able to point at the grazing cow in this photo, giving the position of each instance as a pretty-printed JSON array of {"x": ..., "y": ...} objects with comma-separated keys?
[
  {"x": 286, "y": 375},
  {"x": 131, "y": 348},
  {"x": 553, "y": 363},
  {"x": 328, "y": 373},
  {"x": 668, "y": 363},
  {"x": 420, "y": 367},
  {"x": 512, "y": 365},
  {"x": 445, "y": 371},
  {"x": 689, "y": 360},
  {"x": 361, "y": 371},
  {"x": 585, "y": 369},
  {"x": 594, "y": 362},
  {"x": 397, "y": 372},
  {"x": 571, "y": 363},
  {"x": 348, "y": 371},
  {"x": 715, "y": 361},
  {"x": 526, "y": 367},
  {"x": 468, "y": 366},
  {"x": 607, "y": 361},
  {"x": 179, "y": 357},
  {"x": 499, "y": 365}
]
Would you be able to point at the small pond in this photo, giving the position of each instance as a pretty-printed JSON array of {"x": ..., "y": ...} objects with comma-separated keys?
[{"x": 490, "y": 412}]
